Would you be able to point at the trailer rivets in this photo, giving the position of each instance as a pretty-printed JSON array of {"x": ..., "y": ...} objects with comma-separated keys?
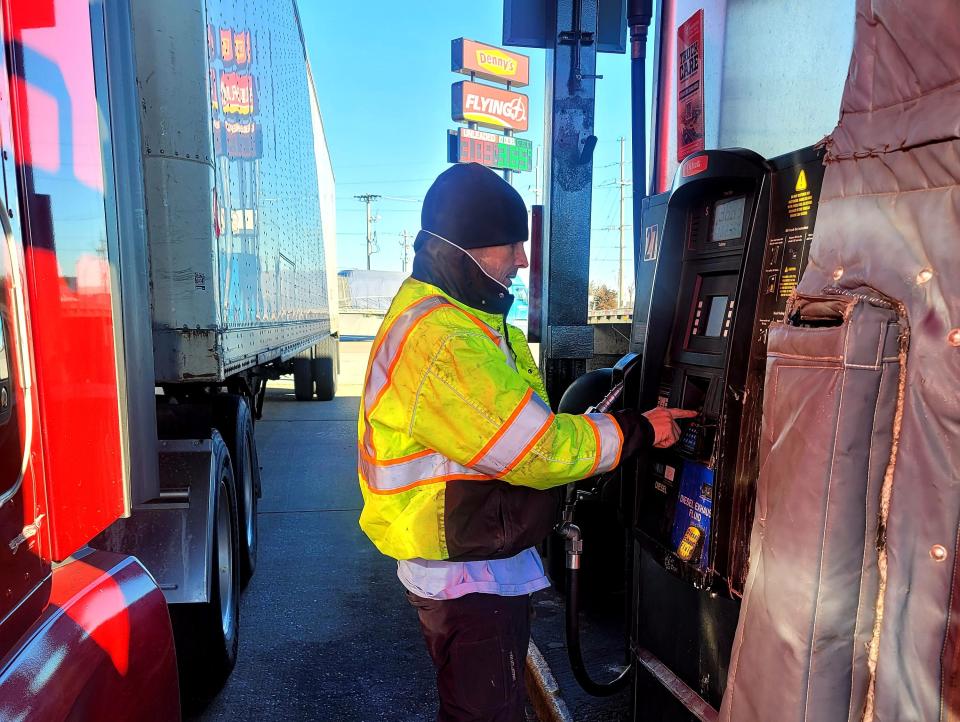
[
  {"x": 938, "y": 553},
  {"x": 925, "y": 275},
  {"x": 953, "y": 338},
  {"x": 838, "y": 274}
]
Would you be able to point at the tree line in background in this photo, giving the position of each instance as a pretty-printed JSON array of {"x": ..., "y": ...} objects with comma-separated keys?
[{"x": 602, "y": 297}]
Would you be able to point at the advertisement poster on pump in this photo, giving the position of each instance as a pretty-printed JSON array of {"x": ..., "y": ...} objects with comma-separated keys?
[{"x": 690, "y": 103}]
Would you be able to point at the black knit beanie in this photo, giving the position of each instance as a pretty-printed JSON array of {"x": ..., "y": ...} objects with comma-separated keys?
[{"x": 472, "y": 206}]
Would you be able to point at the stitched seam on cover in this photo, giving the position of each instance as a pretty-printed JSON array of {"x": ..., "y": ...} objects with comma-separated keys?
[
  {"x": 826, "y": 523},
  {"x": 946, "y": 636},
  {"x": 748, "y": 593},
  {"x": 886, "y": 501},
  {"x": 800, "y": 357},
  {"x": 881, "y": 337},
  {"x": 866, "y": 514}
]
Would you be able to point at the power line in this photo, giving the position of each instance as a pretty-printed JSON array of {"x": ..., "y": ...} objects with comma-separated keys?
[
  {"x": 383, "y": 182},
  {"x": 380, "y": 208},
  {"x": 537, "y": 190}
]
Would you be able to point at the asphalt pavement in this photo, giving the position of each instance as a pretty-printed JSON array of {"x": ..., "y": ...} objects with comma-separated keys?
[{"x": 325, "y": 632}]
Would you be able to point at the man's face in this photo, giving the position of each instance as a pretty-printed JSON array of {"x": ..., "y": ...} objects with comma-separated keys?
[{"x": 501, "y": 262}]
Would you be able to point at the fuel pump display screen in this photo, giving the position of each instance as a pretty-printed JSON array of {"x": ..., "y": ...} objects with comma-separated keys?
[
  {"x": 728, "y": 219},
  {"x": 715, "y": 314},
  {"x": 712, "y": 312}
]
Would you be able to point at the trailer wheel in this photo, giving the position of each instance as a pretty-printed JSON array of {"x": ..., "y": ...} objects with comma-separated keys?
[
  {"x": 235, "y": 424},
  {"x": 302, "y": 379},
  {"x": 325, "y": 374},
  {"x": 207, "y": 635}
]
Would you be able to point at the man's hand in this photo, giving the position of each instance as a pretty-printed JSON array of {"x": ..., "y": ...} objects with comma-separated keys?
[
  {"x": 666, "y": 432},
  {"x": 655, "y": 427}
]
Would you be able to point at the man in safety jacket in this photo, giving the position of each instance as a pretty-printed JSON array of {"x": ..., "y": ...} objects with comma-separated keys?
[{"x": 458, "y": 447}]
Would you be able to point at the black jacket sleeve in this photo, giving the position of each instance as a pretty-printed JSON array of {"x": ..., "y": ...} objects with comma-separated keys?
[{"x": 637, "y": 431}]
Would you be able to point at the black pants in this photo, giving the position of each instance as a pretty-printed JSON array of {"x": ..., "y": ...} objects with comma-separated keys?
[{"x": 478, "y": 644}]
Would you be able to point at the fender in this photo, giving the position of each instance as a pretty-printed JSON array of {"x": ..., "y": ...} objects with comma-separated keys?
[{"x": 101, "y": 649}]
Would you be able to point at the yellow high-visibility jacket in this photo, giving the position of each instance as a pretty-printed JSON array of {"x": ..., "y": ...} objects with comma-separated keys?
[{"x": 457, "y": 444}]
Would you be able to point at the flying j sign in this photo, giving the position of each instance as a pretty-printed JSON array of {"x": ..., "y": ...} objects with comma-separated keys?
[
  {"x": 489, "y": 62},
  {"x": 492, "y": 107}
]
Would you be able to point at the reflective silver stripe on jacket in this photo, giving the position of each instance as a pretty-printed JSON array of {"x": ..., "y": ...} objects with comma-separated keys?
[
  {"x": 611, "y": 441},
  {"x": 514, "y": 439},
  {"x": 390, "y": 478},
  {"x": 388, "y": 352}
]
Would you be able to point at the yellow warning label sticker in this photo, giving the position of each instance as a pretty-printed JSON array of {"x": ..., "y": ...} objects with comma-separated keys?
[
  {"x": 788, "y": 281},
  {"x": 801, "y": 200}
]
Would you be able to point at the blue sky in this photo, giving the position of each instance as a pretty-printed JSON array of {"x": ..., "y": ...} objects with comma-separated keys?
[{"x": 382, "y": 71}]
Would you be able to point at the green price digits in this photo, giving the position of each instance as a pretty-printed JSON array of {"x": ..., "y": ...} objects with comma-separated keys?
[{"x": 490, "y": 149}]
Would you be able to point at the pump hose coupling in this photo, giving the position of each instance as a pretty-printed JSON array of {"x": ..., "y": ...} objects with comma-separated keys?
[{"x": 574, "y": 543}]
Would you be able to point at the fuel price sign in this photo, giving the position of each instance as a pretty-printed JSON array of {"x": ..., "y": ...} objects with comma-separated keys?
[{"x": 467, "y": 145}]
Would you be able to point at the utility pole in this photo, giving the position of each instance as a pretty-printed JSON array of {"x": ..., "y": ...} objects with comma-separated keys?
[
  {"x": 623, "y": 183},
  {"x": 406, "y": 247},
  {"x": 537, "y": 190},
  {"x": 369, "y": 198}
]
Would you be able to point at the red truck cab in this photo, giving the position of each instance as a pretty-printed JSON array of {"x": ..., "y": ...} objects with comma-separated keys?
[{"x": 84, "y": 634}]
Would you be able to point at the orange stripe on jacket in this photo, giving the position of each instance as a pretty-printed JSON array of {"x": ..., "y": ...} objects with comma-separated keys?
[{"x": 483, "y": 327}]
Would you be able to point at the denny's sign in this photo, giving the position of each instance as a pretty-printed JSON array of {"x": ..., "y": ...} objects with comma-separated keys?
[
  {"x": 492, "y": 107},
  {"x": 490, "y": 63}
]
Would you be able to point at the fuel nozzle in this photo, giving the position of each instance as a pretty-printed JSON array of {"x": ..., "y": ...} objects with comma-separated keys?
[{"x": 608, "y": 401}]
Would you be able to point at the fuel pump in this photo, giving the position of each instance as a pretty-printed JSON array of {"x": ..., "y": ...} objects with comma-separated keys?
[
  {"x": 735, "y": 240},
  {"x": 721, "y": 254}
]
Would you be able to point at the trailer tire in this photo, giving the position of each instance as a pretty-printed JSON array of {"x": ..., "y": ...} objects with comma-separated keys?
[
  {"x": 207, "y": 635},
  {"x": 234, "y": 418},
  {"x": 302, "y": 379},
  {"x": 325, "y": 376}
]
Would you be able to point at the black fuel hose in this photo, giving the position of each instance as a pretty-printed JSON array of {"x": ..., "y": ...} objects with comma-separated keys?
[{"x": 571, "y": 532}]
